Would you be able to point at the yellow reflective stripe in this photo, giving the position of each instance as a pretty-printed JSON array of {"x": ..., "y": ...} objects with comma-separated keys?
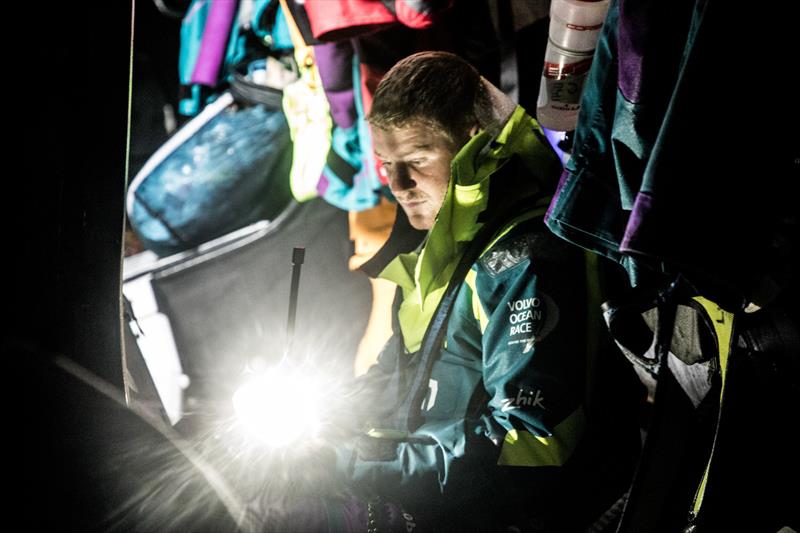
[
  {"x": 523, "y": 448},
  {"x": 723, "y": 329},
  {"x": 477, "y": 307}
]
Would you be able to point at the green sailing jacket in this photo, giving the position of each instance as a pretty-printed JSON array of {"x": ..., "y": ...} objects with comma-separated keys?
[{"x": 504, "y": 407}]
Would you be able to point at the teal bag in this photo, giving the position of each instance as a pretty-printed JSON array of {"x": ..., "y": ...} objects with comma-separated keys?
[{"x": 224, "y": 169}]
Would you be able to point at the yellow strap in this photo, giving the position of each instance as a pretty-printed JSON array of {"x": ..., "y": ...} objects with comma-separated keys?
[
  {"x": 294, "y": 31},
  {"x": 477, "y": 307},
  {"x": 303, "y": 54},
  {"x": 523, "y": 448},
  {"x": 723, "y": 328}
]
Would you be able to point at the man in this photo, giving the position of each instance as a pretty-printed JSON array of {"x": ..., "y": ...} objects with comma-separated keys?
[{"x": 475, "y": 416}]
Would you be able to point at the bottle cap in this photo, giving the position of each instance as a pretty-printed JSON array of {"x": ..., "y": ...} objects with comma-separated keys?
[{"x": 575, "y": 24}]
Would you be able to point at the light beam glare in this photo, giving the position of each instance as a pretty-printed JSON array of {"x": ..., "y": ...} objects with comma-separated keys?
[{"x": 280, "y": 407}]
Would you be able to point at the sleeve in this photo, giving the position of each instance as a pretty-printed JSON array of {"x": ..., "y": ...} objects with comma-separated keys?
[{"x": 531, "y": 312}]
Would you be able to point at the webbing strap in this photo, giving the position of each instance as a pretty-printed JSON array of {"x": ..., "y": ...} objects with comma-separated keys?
[
  {"x": 593, "y": 303},
  {"x": 437, "y": 327},
  {"x": 653, "y": 474},
  {"x": 723, "y": 322},
  {"x": 303, "y": 54},
  {"x": 643, "y": 507}
]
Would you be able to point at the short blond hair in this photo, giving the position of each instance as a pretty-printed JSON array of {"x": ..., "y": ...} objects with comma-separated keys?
[{"x": 439, "y": 89}]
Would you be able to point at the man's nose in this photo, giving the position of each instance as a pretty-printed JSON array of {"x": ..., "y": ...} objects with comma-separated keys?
[{"x": 400, "y": 178}]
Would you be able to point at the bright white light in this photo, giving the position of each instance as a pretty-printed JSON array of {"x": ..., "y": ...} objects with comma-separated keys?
[{"x": 279, "y": 407}]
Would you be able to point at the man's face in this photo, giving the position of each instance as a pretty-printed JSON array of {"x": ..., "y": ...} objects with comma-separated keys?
[{"x": 417, "y": 162}]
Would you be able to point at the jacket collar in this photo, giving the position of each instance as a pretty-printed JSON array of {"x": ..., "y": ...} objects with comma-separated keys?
[
  {"x": 422, "y": 265},
  {"x": 468, "y": 195}
]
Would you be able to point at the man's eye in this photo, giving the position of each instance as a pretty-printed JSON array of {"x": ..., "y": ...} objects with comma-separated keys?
[
  {"x": 386, "y": 164},
  {"x": 416, "y": 162}
]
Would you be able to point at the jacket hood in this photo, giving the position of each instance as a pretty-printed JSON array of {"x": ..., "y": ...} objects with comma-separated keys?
[{"x": 471, "y": 198}]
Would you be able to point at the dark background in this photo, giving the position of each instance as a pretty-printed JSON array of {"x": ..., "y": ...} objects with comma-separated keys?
[{"x": 67, "y": 69}]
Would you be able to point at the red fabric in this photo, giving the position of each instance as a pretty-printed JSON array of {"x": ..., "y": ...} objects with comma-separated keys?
[
  {"x": 417, "y": 18},
  {"x": 370, "y": 77},
  {"x": 333, "y": 20}
]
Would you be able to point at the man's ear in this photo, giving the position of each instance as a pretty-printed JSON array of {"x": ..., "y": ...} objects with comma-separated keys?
[{"x": 473, "y": 131}]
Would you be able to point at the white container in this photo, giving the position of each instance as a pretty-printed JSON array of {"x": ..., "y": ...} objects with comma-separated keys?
[
  {"x": 561, "y": 88},
  {"x": 575, "y": 24},
  {"x": 574, "y": 29}
]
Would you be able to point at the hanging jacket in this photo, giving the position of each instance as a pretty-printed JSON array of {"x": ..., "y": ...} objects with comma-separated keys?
[
  {"x": 341, "y": 19},
  {"x": 673, "y": 170},
  {"x": 679, "y": 175},
  {"x": 503, "y": 410},
  {"x": 349, "y": 179}
]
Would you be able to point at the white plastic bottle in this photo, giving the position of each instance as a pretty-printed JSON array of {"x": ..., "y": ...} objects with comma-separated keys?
[{"x": 574, "y": 28}]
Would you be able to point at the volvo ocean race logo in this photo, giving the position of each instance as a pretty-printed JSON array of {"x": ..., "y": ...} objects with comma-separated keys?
[{"x": 530, "y": 320}]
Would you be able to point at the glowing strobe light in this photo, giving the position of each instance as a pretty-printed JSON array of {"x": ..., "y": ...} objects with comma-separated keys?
[{"x": 278, "y": 407}]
